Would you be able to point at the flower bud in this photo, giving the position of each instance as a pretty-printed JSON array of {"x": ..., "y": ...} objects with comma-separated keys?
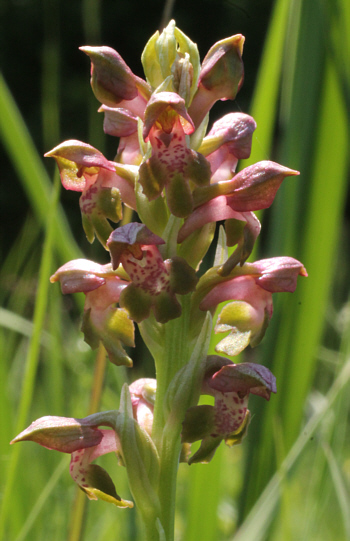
[
  {"x": 220, "y": 78},
  {"x": 112, "y": 80},
  {"x": 253, "y": 188},
  {"x": 172, "y": 53}
]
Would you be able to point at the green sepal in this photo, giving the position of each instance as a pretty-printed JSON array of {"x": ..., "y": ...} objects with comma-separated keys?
[
  {"x": 256, "y": 338},
  {"x": 179, "y": 196},
  {"x": 234, "y": 231},
  {"x": 234, "y": 314},
  {"x": 182, "y": 76},
  {"x": 236, "y": 318},
  {"x": 127, "y": 172},
  {"x": 241, "y": 234},
  {"x": 154, "y": 214},
  {"x": 91, "y": 337},
  {"x": 196, "y": 138},
  {"x": 102, "y": 487},
  {"x": 118, "y": 330},
  {"x": 183, "y": 277},
  {"x": 198, "y": 170},
  {"x": 158, "y": 55},
  {"x": 198, "y": 423},
  {"x": 101, "y": 226},
  {"x": 106, "y": 205},
  {"x": 166, "y": 307},
  {"x": 150, "y": 63},
  {"x": 88, "y": 227},
  {"x": 110, "y": 204},
  {"x": 189, "y": 47},
  {"x": 206, "y": 451},
  {"x": 152, "y": 177},
  {"x": 234, "y": 343},
  {"x": 165, "y": 47},
  {"x": 120, "y": 325},
  {"x": 136, "y": 301},
  {"x": 221, "y": 248}
]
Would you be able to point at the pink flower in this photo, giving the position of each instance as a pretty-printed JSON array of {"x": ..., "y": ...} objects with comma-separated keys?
[
  {"x": 104, "y": 185},
  {"x": 102, "y": 320},
  {"x": 172, "y": 164},
  {"x": 250, "y": 287},
  {"x": 154, "y": 282},
  {"x": 85, "y": 442},
  {"x": 230, "y": 384},
  {"x": 232, "y": 197}
]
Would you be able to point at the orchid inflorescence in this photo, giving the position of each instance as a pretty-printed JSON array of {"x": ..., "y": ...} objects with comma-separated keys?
[{"x": 180, "y": 181}]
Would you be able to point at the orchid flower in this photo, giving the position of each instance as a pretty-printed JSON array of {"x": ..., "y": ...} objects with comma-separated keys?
[
  {"x": 172, "y": 164},
  {"x": 85, "y": 441},
  {"x": 230, "y": 384},
  {"x": 155, "y": 282},
  {"x": 104, "y": 185},
  {"x": 250, "y": 288},
  {"x": 102, "y": 320}
]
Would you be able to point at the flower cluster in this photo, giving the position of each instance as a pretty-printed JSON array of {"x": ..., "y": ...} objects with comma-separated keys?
[{"x": 181, "y": 180}]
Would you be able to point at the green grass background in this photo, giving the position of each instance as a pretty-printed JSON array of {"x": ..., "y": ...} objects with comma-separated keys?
[{"x": 290, "y": 479}]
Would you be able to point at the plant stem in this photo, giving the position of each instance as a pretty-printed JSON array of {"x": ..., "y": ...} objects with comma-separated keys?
[
  {"x": 173, "y": 398},
  {"x": 175, "y": 356},
  {"x": 176, "y": 353}
]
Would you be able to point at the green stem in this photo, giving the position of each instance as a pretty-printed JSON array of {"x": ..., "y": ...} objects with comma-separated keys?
[
  {"x": 174, "y": 356},
  {"x": 183, "y": 392}
]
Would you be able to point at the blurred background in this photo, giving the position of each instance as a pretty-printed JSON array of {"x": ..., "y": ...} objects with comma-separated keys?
[{"x": 290, "y": 479}]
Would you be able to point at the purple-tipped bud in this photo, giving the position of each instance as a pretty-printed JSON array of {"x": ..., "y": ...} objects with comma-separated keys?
[
  {"x": 220, "y": 78},
  {"x": 112, "y": 80}
]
